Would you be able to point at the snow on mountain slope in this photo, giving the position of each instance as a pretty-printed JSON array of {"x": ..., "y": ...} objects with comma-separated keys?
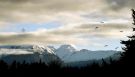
[
  {"x": 29, "y": 53},
  {"x": 65, "y": 48},
  {"x": 42, "y": 49},
  {"x": 69, "y": 54},
  {"x": 64, "y": 51}
]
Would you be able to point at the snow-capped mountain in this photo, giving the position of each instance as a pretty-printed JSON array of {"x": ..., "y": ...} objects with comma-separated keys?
[
  {"x": 69, "y": 54},
  {"x": 42, "y": 49},
  {"x": 29, "y": 53},
  {"x": 64, "y": 51}
]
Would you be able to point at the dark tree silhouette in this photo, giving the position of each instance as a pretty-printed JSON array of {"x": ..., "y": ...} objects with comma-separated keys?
[
  {"x": 133, "y": 15},
  {"x": 3, "y": 66},
  {"x": 128, "y": 56}
]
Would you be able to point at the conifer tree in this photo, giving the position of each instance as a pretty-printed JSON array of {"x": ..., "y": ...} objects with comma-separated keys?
[{"x": 128, "y": 56}]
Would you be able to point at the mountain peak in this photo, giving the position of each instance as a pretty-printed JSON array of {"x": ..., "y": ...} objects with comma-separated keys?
[
  {"x": 42, "y": 49},
  {"x": 67, "y": 47},
  {"x": 52, "y": 48}
]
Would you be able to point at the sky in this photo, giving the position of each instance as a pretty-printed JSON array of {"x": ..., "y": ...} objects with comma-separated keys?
[{"x": 87, "y": 24}]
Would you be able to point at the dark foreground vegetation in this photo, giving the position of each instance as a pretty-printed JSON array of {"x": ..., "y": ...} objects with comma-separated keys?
[{"x": 124, "y": 66}]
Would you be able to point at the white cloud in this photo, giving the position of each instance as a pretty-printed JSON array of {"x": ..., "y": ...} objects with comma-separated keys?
[
  {"x": 78, "y": 18},
  {"x": 66, "y": 11},
  {"x": 84, "y": 34}
]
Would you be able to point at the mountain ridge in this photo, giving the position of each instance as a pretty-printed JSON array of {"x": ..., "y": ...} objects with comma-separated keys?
[{"x": 67, "y": 53}]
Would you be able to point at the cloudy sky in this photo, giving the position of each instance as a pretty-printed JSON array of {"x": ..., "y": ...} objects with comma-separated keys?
[{"x": 90, "y": 24}]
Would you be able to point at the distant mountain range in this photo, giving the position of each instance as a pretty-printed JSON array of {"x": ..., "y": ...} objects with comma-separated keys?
[
  {"x": 66, "y": 53},
  {"x": 69, "y": 54},
  {"x": 27, "y": 53}
]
